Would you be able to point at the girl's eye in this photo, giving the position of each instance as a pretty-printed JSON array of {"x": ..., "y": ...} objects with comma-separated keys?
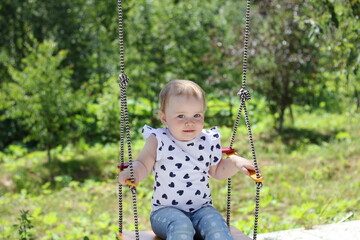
[
  {"x": 181, "y": 116},
  {"x": 197, "y": 115}
]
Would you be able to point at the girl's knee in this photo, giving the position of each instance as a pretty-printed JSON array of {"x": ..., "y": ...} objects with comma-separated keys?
[
  {"x": 211, "y": 225},
  {"x": 172, "y": 224},
  {"x": 182, "y": 229}
]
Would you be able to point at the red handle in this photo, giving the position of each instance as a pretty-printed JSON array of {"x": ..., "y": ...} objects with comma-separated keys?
[{"x": 123, "y": 166}]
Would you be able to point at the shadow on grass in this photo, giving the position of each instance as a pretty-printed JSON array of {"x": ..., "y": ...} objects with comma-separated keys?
[
  {"x": 76, "y": 169},
  {"x": 294, "y": 138}
]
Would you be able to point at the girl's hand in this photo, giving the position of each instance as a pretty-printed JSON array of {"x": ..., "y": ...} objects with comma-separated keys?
[
  {"x": 124, "y": 177},
  {"x": 243, "y": 165}
]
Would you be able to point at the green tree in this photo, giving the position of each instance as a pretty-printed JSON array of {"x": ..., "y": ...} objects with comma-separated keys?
[
  {"x": 169, "y": 40},
  {"x": 336, "y": 26},
  {"x": 306, "y": 53},
  {"x": 285, "y": 62},
  {"x": 25, "y": 226},
  {"x": 40, "y": 94}
]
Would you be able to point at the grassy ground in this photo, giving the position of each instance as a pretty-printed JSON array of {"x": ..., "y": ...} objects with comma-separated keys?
[{"x": 311, "y": 177}]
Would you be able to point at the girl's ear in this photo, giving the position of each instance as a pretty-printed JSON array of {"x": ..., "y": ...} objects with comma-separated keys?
[{"x": 162, "y": 117}]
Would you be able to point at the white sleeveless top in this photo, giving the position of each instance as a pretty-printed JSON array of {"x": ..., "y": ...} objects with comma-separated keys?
[{"x": 181, "y": 169}]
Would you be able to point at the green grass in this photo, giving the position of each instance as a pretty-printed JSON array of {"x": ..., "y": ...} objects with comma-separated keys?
[{"x": 311, "y": 177}]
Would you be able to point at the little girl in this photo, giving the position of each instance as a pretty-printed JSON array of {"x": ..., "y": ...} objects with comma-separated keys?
[{"x": 183, "y": 157}]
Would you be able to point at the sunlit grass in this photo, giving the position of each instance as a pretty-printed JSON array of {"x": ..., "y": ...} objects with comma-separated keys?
[{"x": 312, "y": 179}]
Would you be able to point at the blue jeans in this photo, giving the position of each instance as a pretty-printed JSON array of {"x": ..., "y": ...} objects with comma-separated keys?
[{"x": 173, "y": 224}]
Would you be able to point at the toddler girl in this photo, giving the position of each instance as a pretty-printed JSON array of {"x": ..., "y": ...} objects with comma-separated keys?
[{"x": 183, "y": 157}]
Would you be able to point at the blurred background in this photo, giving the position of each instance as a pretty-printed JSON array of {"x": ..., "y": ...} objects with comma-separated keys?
[{"x": 59, "y": 107}]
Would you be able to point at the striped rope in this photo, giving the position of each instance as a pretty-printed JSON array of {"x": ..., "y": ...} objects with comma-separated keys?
[
  {"x": 125, "y": 130},
  {"x": 244, "y": 96}
]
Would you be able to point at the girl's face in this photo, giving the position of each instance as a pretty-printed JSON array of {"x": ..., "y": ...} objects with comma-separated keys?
[{"x": 184, "y": 116}]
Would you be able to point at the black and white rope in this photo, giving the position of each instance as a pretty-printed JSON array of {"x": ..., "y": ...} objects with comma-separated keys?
[
  {"x": 123, "y": 80},
  {"x": 246, "y": 42},
  {"x": 121, "y": 36},
  {"x": 258, "y": 184},
  {"x": 125, "y": 126},
  {"x": 245, "y": 96},
  {"x": 228, "y": 204}
]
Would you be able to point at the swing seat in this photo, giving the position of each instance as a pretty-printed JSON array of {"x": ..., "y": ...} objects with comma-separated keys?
[{"x": 149, "y": 235}]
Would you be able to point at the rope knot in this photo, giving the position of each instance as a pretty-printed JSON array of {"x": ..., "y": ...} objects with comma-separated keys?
[
  {"x": 123, "y": 80},
  {"x": 244, "y": 95},
  {"x": 132, "y": 189}
]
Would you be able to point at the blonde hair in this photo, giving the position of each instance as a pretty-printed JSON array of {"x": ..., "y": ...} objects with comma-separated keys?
[{"x": 180, "y": 88}]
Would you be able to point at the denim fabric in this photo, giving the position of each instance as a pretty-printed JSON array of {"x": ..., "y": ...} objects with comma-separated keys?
[{"x": 173, "y": 224}]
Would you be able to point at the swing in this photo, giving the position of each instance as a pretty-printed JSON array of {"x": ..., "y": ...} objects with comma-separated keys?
[
  {"x": 149, "y": 235},
  {"x": 124, "y": 128}
]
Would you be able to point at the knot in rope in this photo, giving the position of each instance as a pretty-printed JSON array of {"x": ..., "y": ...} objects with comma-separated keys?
[
  {"x": 123, "y": 80},
  {"x": 244, "y": 95},
  {"x": 132, "y": 189}
]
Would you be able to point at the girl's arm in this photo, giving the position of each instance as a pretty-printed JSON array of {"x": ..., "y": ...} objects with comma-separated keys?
[
  {"x": 143, "y": 164},
  {"x": 227, "y": 167}
]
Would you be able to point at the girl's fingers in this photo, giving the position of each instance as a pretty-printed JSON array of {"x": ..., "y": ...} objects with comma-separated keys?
[{"x": 244, "y": 170}]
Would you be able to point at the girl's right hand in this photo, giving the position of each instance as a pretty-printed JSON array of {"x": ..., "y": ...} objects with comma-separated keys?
[{"x": 124, "y": 178}]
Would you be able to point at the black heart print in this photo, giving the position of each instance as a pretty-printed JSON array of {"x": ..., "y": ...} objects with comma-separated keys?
[{"x": 180, "y": 192}]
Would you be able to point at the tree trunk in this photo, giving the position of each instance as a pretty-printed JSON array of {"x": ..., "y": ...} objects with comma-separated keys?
[
  {"x": 281, "y": 118},
  {"x": 291, "y": 115},
  {"x": 49, "y": 153},
  {"x": 357, "y": 96},
  {"x": 230, "y": 107}
]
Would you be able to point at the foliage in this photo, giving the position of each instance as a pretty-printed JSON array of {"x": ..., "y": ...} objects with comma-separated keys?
[
  {"x": 305, "y": 165},
  {"x": 306, "y": 54},
  {"x": 336, "y": 24},
  {"x": 40, "y": 95},
  {"x": 301, "y": 52},
  {"x": 285, "y": 62},
  {"x": 24, "y": 226},
  {"x": 79, "y": 25}
]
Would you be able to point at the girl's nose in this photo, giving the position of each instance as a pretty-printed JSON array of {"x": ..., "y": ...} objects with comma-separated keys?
[{"x": 189, "y": 122}]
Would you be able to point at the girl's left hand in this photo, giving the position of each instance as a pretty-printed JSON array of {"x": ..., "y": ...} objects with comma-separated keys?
[{"x": 244, "y": 165}]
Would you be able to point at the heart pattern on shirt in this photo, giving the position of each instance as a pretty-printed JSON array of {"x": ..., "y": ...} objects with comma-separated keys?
[{"x": 181, "y": 176}]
